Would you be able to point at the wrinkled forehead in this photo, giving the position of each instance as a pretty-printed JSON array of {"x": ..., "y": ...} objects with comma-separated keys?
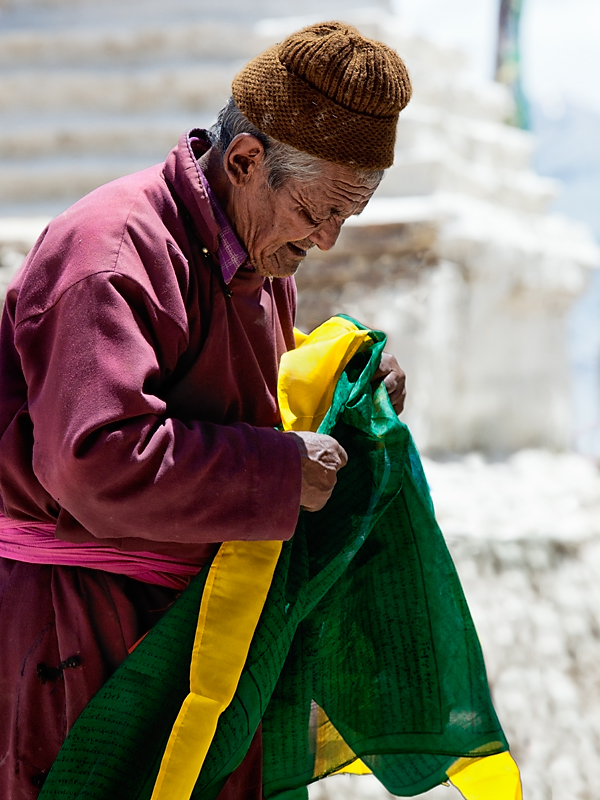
[{"x": 338, "y": 190}]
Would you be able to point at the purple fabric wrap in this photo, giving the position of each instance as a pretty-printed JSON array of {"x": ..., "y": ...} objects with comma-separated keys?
[{"x": 34, "y": 543}]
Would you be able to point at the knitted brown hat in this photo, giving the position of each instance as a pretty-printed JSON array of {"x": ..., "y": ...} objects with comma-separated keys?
[{"x": 328, "y": 91}]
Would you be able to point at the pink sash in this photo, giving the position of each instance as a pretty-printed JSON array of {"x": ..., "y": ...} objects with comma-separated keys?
[{"x": 34, "y": 543}]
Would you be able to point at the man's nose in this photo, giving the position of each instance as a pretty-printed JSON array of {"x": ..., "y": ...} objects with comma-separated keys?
[{"x": 326, "y": 235}]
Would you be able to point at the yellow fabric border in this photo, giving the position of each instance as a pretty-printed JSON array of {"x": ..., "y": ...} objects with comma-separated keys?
[
  {"x": 234, "y": 596},
  {"x": 490, "y": 778}
]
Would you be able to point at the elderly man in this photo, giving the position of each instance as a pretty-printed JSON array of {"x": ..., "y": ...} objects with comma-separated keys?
[{"x": 139, "y": 353}]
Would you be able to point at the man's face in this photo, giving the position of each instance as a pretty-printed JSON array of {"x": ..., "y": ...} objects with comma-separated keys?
[{"x": 278, "y": 227}]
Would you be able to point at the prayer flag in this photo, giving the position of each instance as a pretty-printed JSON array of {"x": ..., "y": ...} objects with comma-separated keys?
[{"x": 352, "y": 642}]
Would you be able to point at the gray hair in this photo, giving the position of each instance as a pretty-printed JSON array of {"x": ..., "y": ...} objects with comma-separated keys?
[{"x": 282, "y": 161}]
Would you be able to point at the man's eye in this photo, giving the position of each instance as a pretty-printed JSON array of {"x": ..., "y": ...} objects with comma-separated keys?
[{"x": 309, "y": 219}]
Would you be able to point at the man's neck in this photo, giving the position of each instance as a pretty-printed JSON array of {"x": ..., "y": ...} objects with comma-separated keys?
[{"x": 211, "y": 164}]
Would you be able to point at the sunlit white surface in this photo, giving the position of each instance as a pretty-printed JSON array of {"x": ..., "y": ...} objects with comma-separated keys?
[
  {"x": 559, "y": 43},
  {"x": 466, "y": 24},
  {"x": 561, "y": 56}
]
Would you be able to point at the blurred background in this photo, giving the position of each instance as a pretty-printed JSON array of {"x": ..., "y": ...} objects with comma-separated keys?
[{"x": 478, "y": 256}]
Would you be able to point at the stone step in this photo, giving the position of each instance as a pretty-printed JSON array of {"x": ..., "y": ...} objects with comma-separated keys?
[
  {"x": 455, "y": 94},
  {"x": 61, "y": 179},
  {"x": 60, "y": 13},
  {"x": 141, "y": 135},
  {"x": 189, "y": 87},
  {"x": 138, "y": 43},
  {"x": 478, "y": 141},
  {"x": 442, "y": 170}
]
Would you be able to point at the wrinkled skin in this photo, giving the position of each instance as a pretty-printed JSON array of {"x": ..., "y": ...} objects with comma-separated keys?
[
  {"x": 322, "y": 457},
  {"x": 277, "y": 228}
]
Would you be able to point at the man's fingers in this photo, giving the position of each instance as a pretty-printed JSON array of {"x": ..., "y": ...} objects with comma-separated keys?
[
  {"x": 322, "y": 457},
  {"x": 395, "y": 383},
  {"x": 343, "y": 455},
  {"x": 396, "y": 388},
  {"x": 394, "y": 380}
]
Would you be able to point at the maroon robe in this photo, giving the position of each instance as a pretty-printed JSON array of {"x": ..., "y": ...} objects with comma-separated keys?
[{"x": 137, "y": 407}]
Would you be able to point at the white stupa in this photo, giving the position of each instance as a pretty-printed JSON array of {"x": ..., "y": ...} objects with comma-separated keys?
[{"x": 457, "y": 262}]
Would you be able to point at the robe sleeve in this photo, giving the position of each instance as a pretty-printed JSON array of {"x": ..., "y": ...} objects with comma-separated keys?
[{"x": 105, "y": 448}]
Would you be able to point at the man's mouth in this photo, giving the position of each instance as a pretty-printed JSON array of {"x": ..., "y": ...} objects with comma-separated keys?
[{"x": 297, "y": 251}]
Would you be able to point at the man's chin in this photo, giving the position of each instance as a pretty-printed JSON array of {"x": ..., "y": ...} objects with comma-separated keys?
[{"x": 277, "y": 268}]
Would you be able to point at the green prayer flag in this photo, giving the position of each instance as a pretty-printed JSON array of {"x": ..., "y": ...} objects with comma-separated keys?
[{"x": 365, "y": 647}]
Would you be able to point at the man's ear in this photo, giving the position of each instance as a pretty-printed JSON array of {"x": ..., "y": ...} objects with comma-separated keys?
[{"x": 242, "y": 158}]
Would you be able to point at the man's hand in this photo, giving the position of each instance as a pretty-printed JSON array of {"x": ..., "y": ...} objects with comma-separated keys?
[
  {"x": 322, "y": 457},
  {"x": 394, "y": 380}
]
